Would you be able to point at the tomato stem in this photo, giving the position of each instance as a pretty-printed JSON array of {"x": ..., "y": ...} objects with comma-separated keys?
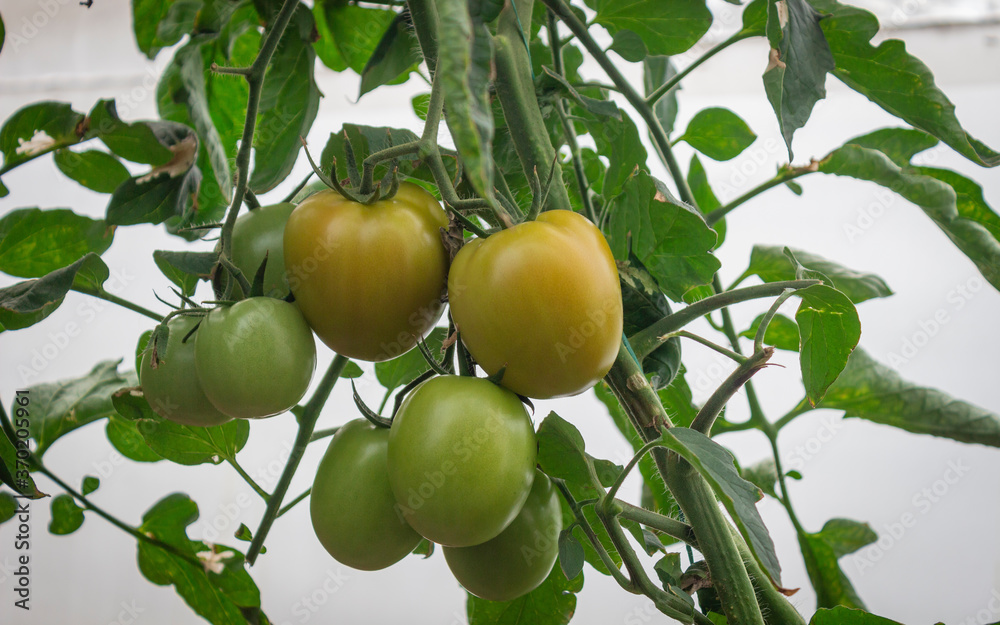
[{"x": 249, "y": 480}]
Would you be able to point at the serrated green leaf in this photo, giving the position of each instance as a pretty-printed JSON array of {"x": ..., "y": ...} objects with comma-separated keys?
[
  {"x": 795, "y": 78},
  {"x": 666, "y": 28},
  {"x": 552, "y": 603},
  {"x": 26, "y": 303},
  {"x": 829, "y": 330},
  {"x": 67, "y": 517},
  {"x": 38, "y": 129},
  {"x": 397, "y": 52},
  {"x": 402, "y": 370},
  {"x": 58, "y": 408},
  {"x": 869, "y": 390},
  {"x": 36, "y": 242},
  {"x": 718, "y": 133},
  {"x": 716, "y": 464},
  {"x": 187, "y": 445},
  {"x": 669, "y": 237},
  {"x": 771, "y": 264},
  {"x": 893, "y": 79},
  {"x": 95, "y": 170}
]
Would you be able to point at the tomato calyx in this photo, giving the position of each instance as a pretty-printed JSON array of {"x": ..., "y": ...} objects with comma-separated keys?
[
  {"x": 370, "y": 415},
  {"x": 361, "y": 189}
]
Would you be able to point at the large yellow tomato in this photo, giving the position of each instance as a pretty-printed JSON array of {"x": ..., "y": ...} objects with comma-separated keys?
[
  {"x": 541, "y": 298},
  {"x": 368, "y": 278}
]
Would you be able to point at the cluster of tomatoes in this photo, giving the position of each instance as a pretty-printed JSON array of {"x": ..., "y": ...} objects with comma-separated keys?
[{"x": 538, "y": 306}]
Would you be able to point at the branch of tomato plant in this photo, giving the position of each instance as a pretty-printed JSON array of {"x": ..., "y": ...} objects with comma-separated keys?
[
  {"x": 706, "y": 417},
  {"x": 675, "y": 80},
  {"x": 583, "y": 186},
  {"x": 638, "y": 102},
  {"x": 785, "y": 174},
  {"x": 671, "y": 527},
  {"x": 515, "y": 89},
  {"x": 602, "y": 553},
  {"x": 307, "y": 422},
  {"x": 648, "y": 339},
  {"x": 728, "y": 353},
  {"x": 291, "y": 504},
  {"x": 249, "y": 480},
  {"x": 255, "y": 81},
  {"x": 321, "y": 434},
  {"x": 100, "y": 293},
  {"x": 36, "y": 463},
  {"x": 800, "y": 409}
]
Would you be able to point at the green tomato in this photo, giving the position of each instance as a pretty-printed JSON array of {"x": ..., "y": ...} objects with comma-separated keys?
[
  {"x": 353, "y": 511},
  {"x": 542, "y": 299},
  {"x": 461, "y": 459},
  {"x": 370, "y": 279},
  {"x": 521, "y": 557},
  {"x": 256, "y": 233},
  {"x": 255, "y": 358},
  {"x": 172, "y": 388}
]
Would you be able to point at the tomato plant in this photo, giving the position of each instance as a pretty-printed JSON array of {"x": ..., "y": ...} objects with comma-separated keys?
[
  {"x": 520, "y": 558},
  {"x": 353, "y": 510},
  {"x": 255, "y": 358},
  {"x": 368, "y": 278},
  {"x": 173, "y": 389},
  {"x": 541, "y": 300},
  {"x": 461, "y": 459},
  {"x": 550, "y": 215}
]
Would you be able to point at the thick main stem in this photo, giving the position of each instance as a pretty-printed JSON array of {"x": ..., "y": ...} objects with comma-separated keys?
[{"x": 306, "y": 425}]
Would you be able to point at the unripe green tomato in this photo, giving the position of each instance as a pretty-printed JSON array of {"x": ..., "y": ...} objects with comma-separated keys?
[
  {"x": 461, "y": 459},
  {"x": 256, "y": 233},
  {"x": 255, "y": 358},
  {"x": 521, "y": 557},
  {"x": 368, "y": 278},
  {"x": 542, "y": 299},
  {"x": 353, "y": 511},
  {"x": 172, "y": 388}
]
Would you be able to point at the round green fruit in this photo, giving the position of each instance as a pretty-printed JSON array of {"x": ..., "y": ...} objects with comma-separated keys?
[
  {"x": 521, "y": 557},
  {"x": 461, "y": 459},
  {"x": 172, "y": 388},
  {"x": 257, "y": 233},
  {"x": 353, "y": 511},
  {"x": 255, "y": 358}
]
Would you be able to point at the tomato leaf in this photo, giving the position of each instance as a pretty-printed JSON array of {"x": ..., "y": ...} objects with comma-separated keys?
[
  {"x": 125, "y": 438},
  {"x": 656, "y": 70},
  {"x": 561, "y": 451},
  {"x": 26, "y": 303},
  {"x": 67, "y": 517},
  {"x": 704, "y": 196},
  {"x": 893, "y": 79},
  {"x": 89, "y": 484},
  {"x": 187, "y": 445},
  {"x": 716, "y": 464},
  {"x": 35, "y": 242},
  {"x": 287, "y": 106},
  {"x": 669, "y": 237},
  {"x": 395, "y": 56},
  {"x": 771, "y": 264},
  {"x": 159, "y": 25},
  {"x": 571, "y": 556},
  {"x": 8, "y": 506},
  {"x": 23, "y": 485},
  {"x": 38, "y": 129},
  {"x": 821, "y": 551},
  {"x": 644, "y": 305},
  {"x": 220, "y": 590},
  {"x": 185, "y": 269},
  {"x": 617, "y": 140},
  {"x": 666, "y": 28},
  {"x": 552, "y": 603},
  {"x": 95, "y": 170},
  {"x": 829, "y": 330},
  {"x": 140, "y": 142},
  {"x": 869, "y": 390},
  {"x": 781, "y": 332},
  {"x": 795, "y": 78},
  {"x": 718, "y": 133}
]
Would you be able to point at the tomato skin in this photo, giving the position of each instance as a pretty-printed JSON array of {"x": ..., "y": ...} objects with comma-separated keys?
[
  {"x": 173, "y": 389},
  {"x": 255, "y": 358},
  {"x": 521, "y": 557},
  {"x": 256, "y": 233},
  {"x": 461, "y": 459},
  {"x": 352, "y": 508},
  {"x": 541, "y": 298},
  {"x": 369, "y": 279}
]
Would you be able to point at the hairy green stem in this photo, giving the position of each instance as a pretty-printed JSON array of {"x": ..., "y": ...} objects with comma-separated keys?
[
  {"x": 516, "y": 92},
  {"x": 782, "y": 177},
  {"x": 114, "y": 299},
  {"x": 249, "y": 480},
  {"x": 648, "y": 339},
  {"x": 675, "y": 80},
  {"x": 706, "y": 417},
  {"x": 306, "y": 424},
  {"x": 602, "y": 553},
  {"x": 424, "y": 16},
  {"x": 671, "y": 527},
  {"x": 728, "y": 353}
]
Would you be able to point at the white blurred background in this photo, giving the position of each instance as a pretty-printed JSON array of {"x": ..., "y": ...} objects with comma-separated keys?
[{"x": 946, "y": 567}]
